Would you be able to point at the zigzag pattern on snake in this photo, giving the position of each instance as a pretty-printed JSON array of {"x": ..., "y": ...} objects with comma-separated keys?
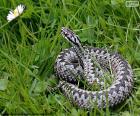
[{"x": 90, "y": 64}]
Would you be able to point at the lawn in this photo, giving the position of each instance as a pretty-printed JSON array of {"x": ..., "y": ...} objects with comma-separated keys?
[{"x": 30, "y": 44}]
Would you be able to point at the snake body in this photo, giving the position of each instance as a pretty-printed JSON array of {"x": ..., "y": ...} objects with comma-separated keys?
[{"x": 90, "y": 64}]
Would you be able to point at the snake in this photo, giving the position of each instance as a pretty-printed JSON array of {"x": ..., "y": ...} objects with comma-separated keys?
[{"x": 89, "y": 65}]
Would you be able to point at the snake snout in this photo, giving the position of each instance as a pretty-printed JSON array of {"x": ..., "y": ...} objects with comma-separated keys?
[{"x": 66, "y": 32}]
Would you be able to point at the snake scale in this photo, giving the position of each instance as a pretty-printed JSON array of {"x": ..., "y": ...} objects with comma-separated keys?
[{"x": 90, "y": 64}]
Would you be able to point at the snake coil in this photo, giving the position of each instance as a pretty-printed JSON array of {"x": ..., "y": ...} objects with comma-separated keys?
[{"x": 91, "y": 64}]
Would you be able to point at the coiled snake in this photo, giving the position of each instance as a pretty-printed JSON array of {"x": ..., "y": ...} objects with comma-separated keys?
[{"x": 91, "y": 64}]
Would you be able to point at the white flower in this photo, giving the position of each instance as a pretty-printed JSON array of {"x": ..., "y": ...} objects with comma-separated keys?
[{"x": 15, "y": 13}]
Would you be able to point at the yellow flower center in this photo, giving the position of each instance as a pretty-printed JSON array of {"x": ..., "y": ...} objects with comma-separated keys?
[{"x": 16, "y": 12}]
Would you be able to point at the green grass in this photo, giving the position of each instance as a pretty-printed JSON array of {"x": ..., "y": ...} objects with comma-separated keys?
[{"x": 30, "y": 44}]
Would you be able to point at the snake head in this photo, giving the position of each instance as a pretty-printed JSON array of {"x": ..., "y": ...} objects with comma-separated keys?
[{"x": 70, "y": 36}]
